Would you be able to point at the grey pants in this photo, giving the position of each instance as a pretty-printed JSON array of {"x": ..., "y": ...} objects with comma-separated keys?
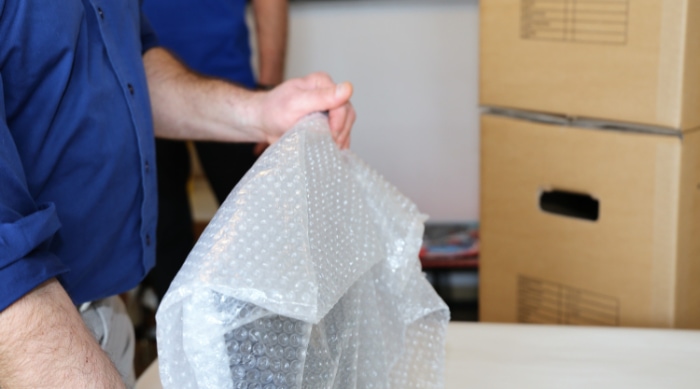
[{"x": 109, "y": 322}]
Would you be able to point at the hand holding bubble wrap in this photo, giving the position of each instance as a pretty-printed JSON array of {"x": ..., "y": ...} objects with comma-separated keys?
[{"x": 307, "y": 277}]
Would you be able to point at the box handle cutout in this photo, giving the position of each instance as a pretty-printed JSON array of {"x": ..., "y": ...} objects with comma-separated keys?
[{"x": 577, "y": 205}]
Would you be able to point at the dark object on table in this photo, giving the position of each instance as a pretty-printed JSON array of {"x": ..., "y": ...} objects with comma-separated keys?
[{"x": 450, "y": 242}]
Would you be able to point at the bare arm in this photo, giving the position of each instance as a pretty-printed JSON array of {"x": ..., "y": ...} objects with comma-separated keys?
[
  {"x": 190, "y": 106},
  {"x": 271, "y": 26},
  {"x": 45, "y": 344}
]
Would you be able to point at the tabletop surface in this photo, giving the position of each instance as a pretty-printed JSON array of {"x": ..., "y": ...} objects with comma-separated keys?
[{"x": 485, "y": 356}]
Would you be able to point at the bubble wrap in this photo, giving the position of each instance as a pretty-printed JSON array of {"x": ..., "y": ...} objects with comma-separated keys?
[{"x": 307, "y": 277}]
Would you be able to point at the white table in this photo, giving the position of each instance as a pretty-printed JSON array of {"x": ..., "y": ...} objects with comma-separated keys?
[{"x": 495, "y": 356}]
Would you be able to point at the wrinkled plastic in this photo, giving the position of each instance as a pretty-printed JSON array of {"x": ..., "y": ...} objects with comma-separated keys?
[{"x": 307, "y": 277}]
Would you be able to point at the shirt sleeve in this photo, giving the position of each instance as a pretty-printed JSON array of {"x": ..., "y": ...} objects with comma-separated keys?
[
  {"x": 149, "y": 39},
  {"x": 26, "y": 228}
]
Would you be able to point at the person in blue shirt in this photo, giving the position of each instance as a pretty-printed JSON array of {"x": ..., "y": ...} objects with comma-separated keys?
[
  {"x": 83, "y": 89},
  {"x": 210, "y": 37}
]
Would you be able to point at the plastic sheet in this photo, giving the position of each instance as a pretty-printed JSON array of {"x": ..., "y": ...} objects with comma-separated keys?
[{"x": 307, "y": 277}]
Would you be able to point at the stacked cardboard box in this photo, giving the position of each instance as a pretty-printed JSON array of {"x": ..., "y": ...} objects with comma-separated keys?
[{"x": 590, "y": 162}]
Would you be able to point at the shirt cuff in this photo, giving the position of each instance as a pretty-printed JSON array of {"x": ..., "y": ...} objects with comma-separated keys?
[{"x": 25, "y": 261}]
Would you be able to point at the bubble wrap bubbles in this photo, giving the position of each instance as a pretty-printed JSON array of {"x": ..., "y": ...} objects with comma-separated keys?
[{"x": 307, "y": 277}]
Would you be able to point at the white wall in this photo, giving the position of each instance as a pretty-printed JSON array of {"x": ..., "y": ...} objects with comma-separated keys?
[{"x": 414, "y": 68}]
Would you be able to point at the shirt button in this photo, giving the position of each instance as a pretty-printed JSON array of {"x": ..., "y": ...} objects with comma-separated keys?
[
  {"x": 131, "y": 88},
  {"x": 147, "y": 167},
  {"x": 148, "y": 239},
  {"x": 102, "y": 14}
]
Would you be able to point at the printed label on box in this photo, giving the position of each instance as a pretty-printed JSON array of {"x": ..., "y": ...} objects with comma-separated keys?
[
  {"x": 583, "y": 21},
  {"x": 546, "y": 302}
]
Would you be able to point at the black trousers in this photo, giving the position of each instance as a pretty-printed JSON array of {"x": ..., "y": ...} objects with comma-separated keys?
[{"x": 224, "y": 164}]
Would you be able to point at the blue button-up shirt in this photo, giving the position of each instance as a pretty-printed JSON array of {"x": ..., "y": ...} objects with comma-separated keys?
[{"x": 77, "y": 179}]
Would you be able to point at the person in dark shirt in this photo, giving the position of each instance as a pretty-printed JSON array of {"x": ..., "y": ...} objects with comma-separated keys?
[
  {"x": 84, "y": 88},
  {"x": 212, "y": 38}
]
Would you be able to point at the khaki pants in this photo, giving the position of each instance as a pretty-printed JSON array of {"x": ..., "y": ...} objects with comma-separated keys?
[{"x": 109, "y": 322}]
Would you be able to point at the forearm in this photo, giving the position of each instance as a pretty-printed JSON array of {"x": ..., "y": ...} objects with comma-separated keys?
[
  {"x": 271, "y": 25},
  {"x": 189, "y": 106},
  {"x": 186, "y": 105},
  {"x": 45, "y": 344}
]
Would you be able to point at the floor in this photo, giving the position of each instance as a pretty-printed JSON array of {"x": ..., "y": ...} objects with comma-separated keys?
[{"x": 463, "y": 307}]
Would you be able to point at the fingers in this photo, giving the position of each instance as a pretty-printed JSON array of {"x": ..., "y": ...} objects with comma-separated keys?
[
  {"x": 347, "y": 129},
  {"x": 259, "y": 148},
  {"x": 341, "y": 114},
  {"x": 297, "y": 98},
  {"x": 341, "y": 121},
  {"x": 323, "y": 99}
]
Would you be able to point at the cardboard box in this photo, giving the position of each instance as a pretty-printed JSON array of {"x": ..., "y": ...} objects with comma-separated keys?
[
  {"x": 589, "y": 226},
  {"x": 635, "y": 61}
]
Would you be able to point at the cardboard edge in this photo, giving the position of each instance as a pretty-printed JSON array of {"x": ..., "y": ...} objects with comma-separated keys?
[
  {"x": 687, "y": 307},
  {"x": 666, "y": 214},
  {"x": 671, "y": 59},
  {"x": 691, "y": 63},
  {"x": 583, "y": 122}
]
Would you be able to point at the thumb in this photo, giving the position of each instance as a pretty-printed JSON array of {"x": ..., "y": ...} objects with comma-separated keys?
[
  {"x": 324, "y": 99},
  {"x": 343, "y": 91}
]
